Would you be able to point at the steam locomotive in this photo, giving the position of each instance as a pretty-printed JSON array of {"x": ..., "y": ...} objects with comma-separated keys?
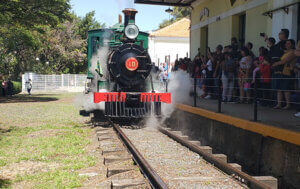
[{"x": 122, "y": 80}]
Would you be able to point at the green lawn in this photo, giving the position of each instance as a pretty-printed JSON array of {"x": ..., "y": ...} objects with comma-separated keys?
[{"x": 43, "y": 142}]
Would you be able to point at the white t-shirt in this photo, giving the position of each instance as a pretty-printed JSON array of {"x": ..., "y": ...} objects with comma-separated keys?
[
  {"x": 245, "y": 63},
  {"x": 209, "y": 65}
]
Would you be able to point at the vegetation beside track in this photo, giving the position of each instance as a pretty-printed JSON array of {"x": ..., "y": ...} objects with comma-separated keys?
[{"x": 44, "y": 142}]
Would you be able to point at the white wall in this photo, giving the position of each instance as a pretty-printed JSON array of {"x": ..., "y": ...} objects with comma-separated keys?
[
  {"x": 282, "y": 20},
  {"x": 159, "y": 47}
]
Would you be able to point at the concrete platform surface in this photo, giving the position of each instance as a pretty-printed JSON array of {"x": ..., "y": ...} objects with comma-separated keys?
[{"x": 284, "y": 119}]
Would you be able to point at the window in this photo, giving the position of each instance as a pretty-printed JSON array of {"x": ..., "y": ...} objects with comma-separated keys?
[{"x": 95, "y": 44}]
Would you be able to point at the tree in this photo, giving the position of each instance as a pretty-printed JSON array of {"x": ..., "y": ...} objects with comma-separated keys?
[
  {"x": 165, "y": 23},
  {"x": 31, "y": 13},
  {"x": 22, "y": 24},
  {"x": 88, "y": 23},
  {"x": 180, "y": 12},
  {"x": 43, "y": 29},
  {"x": 177, "y": 14}
]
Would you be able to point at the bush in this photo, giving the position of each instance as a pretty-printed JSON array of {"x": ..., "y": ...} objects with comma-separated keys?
[{"x": 17, "y": 87}]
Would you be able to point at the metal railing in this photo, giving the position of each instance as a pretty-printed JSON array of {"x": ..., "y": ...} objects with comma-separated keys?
[{"x": 254, "y": 92}]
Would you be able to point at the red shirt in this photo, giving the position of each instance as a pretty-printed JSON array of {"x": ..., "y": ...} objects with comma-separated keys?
[
  {"x": 182, "y": 66},
  {"x": 265, "y": 73},
  {"x": 197, "y": 72}
]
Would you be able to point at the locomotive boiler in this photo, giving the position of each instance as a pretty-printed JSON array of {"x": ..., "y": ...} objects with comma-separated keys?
[{"x": 122, "y": 81}]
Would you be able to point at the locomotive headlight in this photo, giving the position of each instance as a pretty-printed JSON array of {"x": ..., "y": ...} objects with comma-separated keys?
[{"x": 131, "y": 31}]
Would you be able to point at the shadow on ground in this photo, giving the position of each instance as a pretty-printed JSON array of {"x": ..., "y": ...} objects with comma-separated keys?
[
  {"x": 4, "y": 183},
  {"x": 7, "y": 130},
  {"x": 26, "y": 98}
]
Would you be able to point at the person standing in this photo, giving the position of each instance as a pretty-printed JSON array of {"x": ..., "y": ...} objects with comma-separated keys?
[
  {"x": 244, "y": 73},
  {"x": 297, "y": 53},
  {"x": 208, "y": 81},
  {"x": 218, "y": 69},
  {"x": 28, "y": 85},
  {"x": 197, "y": 74},
  {"x": 4, "y": 88},
  {"x": 249, "y": 46},
  {"x": 283, "y": 74},
  {"x": 10, "y": 87},
  {"x": 265, "y": 75},
  {"x": 228, "y": 72},
  {"x": 280, "y": 46}
]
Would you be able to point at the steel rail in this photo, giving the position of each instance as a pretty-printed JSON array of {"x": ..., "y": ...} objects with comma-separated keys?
[
  {"x": 228, "y": 169},
  {"x": 152, "y": 176}
]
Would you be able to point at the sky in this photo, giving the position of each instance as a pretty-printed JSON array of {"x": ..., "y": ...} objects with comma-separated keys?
[{"x": 148, "y": 18}]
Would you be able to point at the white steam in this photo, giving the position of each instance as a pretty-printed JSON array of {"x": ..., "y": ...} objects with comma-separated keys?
[
  {"x": 123, "y": 4},
  {"x": 86, "y": 101},
  {"x": 99, "y": 58},
  {"x": 180, "y": 85}
]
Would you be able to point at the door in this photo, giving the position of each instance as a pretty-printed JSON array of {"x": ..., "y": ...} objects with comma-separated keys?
[{"x": 242, "y": 30}]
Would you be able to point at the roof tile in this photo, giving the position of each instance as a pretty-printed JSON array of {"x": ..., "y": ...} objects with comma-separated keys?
[{"x": 180, "y": 28}]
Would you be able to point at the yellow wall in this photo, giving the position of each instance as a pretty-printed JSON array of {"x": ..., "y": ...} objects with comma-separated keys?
[
  {"x": 256, "y": 23},
  {"x": 195, "y": 42},
  {"x": 220, "y": 32}
]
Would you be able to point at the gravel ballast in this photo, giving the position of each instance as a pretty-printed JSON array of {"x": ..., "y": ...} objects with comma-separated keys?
[{"x": 177, "y": 165}]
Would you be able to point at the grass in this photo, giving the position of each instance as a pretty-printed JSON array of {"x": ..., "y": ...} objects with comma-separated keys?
[{"x": 43, "y": 142}]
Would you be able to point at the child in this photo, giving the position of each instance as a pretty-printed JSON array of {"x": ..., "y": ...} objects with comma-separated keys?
[
  {"x": 28, "y": 85},
  {"x": 256, "y": 68},
  {"x": 262, "y": 53},
  {"x": 265, "y": 77}
]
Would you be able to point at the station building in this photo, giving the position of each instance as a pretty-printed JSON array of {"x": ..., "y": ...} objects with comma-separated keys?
[
  {"x": 215, "y": 22},
  {"x": 171, "y": 42},
  {"x": 261, "y": 148}
]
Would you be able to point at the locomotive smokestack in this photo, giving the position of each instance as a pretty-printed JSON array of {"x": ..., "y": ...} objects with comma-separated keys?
[
  {"x": 129, "y": 16},
  {"x": 120, "y": 19}
]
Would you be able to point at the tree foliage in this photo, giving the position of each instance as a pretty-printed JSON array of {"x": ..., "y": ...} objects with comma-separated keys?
[
  {"x": 88, "y": 23},
  {"x": 180, "y": 12},
  {"x": 177, "y": 14},
  {"x": 42, "y": 36},
  {"x": 165, "y": 23}
]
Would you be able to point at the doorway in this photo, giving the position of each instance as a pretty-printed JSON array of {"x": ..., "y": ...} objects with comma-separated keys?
[
  {"x": 242, "y": 30},
  {"x": 204, "y": 40}
]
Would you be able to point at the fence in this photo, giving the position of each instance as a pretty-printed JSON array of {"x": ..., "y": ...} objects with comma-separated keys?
[{"x": 64, "y": 82}]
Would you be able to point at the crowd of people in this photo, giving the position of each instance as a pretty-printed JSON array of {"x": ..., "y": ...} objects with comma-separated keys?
[{"x": 275, "y": 72}]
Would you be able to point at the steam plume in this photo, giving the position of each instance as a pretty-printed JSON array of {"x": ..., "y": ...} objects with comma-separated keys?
[{"x": 86, "y": 101}]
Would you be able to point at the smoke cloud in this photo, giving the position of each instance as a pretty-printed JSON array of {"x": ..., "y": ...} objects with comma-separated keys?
[
  {"x": 123, "y": 4},
  {"x": 86, "y": 101},
  {"x": 99, "y": 58},
  {"x": 180, "y": 85}
]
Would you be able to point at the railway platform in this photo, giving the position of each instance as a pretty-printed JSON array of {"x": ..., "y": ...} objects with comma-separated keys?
[
  {"x": 284, "y": 119},
  {"x": 270, "y": 146}
]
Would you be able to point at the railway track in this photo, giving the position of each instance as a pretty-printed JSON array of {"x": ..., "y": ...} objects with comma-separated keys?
[{"x": 178, "y": 163}]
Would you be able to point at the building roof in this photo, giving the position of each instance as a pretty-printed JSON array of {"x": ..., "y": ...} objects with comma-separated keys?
[
  {"x": 167, "y": 2},
  {"x": 180, "y": 28}
]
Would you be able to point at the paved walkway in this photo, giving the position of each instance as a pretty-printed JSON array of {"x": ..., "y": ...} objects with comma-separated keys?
[{"x": 280, "y": 118}]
